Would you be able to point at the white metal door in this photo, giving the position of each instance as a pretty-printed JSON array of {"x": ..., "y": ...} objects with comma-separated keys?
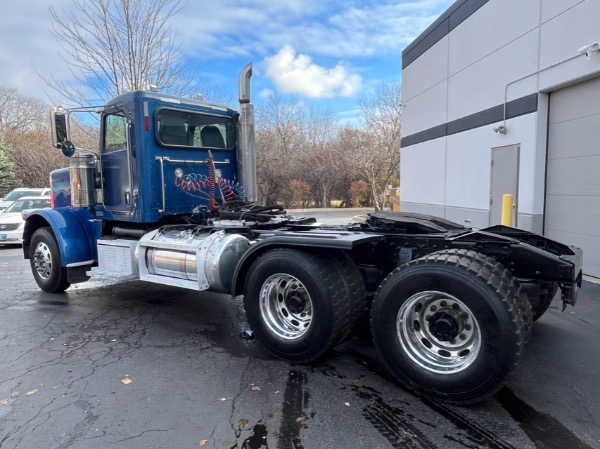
[{"x": 504, "y": 179}]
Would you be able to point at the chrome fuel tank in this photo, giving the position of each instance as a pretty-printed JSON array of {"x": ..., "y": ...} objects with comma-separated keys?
[{"x": 202, "y": 260}]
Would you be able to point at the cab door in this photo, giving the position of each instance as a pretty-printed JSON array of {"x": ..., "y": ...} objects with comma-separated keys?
[{"x": 116, "y": 161}]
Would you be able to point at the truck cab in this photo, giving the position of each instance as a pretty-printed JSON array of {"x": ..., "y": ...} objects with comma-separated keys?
[
  {"x": 162, "y": 160},
  {"x": 153, "y": 163}
]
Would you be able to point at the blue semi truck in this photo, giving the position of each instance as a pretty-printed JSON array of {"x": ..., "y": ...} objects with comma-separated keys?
[{"x": 170, "y": 198}]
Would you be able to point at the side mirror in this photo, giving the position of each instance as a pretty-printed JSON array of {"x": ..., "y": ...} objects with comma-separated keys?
[{"x": 59, "y": 122}]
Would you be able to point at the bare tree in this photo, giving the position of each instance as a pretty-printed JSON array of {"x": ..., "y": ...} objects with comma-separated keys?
[
  {"x": 279, "y": 144},
  {"x": 359, "y": 193},
  {"x": 19, "y": 113},
  {"x": 303, "y": 156},
  {"x": 324, "y": 166},
  {"x": 300, "y": 193},
  {"x": 113, "y": 46},
  {"x": 382, "y": 115},
  {"x": 34, "y": 157},
  {"x": 26, "y": 138},
  {"x": 296, "y": 146},
  {"x": 374, "y": 150}
]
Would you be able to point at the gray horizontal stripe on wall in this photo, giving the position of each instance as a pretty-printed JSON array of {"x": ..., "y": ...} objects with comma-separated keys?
[
  {"x": 515, "y": 108},
  {"x": 460, "y": 11}
]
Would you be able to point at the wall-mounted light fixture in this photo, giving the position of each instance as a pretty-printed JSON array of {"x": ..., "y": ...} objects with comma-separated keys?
[
  {"x": 590, "y": 49},
  {"x": 501, "y": 129}
]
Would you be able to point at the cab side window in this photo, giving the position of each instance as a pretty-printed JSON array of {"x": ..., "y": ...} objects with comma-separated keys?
[
  {"x": 115, "y": 132},
  {"x": 193, "y": 130}
]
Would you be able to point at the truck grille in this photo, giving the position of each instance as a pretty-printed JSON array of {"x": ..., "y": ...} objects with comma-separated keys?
[{"x": 9, "y": 227}]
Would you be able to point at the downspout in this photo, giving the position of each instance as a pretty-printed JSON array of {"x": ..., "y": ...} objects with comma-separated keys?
[{"x": 246, "y": 151}]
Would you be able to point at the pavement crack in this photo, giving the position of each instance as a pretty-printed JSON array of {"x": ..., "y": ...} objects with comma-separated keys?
[{"x": 133, "y": 437}]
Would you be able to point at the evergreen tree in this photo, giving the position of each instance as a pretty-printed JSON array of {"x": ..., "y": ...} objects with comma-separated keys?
[{"x": 8, "y": 175}]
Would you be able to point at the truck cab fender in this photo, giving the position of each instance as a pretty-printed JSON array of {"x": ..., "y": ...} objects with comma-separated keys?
[
  {"x": 75, "y": 230},
  {"x": 307, "y": 242}
]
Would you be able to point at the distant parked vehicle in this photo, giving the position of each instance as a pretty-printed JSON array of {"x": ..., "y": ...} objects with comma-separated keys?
[
  {"x": 12, "y": 222},
  {"x": 19, "y": 193}
]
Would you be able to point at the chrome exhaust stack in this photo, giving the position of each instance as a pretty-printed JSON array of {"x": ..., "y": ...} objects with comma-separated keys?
[{"x": 246, "y": 151}]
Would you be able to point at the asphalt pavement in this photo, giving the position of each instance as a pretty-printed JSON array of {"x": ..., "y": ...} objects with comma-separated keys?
[{"x": 137, "y": 365}]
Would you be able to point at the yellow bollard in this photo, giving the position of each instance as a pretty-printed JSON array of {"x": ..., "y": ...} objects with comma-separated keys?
[{"x": 507, "y": 209}]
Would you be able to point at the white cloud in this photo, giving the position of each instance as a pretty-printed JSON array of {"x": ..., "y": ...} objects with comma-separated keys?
[
  {"x": 297, "y": 73},
  {"x": 219, "y": 36},
  {"x": 338, "y": 28},
  {"x": 265, "y": 93}
]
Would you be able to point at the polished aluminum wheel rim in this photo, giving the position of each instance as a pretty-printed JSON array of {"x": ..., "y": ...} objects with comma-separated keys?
[
  {"x": 438, "y": 332},
  {"x": 42, "y": 260},
  {"x": 285, "y": 306}
]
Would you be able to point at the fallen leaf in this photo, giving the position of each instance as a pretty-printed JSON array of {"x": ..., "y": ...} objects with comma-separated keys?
[
  {"x": 300, "y": 418},
  {"x": 243, "y": 422},
  {"x": 203, "y": 442},
  {"x": 29, "y": 393},
  {"x": 255, "y": 388},
  {"x": 3, "y": 402},
  {"x": 126, "y": 381},
  {"x": 222, "y": 399}
]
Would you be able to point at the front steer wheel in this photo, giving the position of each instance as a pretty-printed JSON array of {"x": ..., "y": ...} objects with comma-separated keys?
[
  {"x": 44, "y": 258},
  {"x": 451, "y": 325},
  {"x": 300, "y": 304}
]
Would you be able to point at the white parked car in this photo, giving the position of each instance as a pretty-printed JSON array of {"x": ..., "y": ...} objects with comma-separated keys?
[
  {"x": 11, "y": 221},
  {"x": 19, "y": 193}
]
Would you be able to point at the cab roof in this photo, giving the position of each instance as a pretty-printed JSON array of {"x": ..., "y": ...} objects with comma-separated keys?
[{"x": 144, "y": 95}]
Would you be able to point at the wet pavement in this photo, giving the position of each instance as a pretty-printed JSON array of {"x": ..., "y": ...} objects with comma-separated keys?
[{"x": 139, "y": 365}]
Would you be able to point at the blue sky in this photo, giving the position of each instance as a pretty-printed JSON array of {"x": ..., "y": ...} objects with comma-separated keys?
[{"x": 325, "y": 53}]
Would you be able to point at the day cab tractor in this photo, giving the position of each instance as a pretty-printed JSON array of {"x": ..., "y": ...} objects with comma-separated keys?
[{"x": 170, "y": 198}]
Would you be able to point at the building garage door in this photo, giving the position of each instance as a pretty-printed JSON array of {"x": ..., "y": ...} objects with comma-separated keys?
[{"x": 573, "y": 177}]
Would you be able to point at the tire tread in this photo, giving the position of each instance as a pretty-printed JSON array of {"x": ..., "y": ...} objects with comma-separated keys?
[
  {"x": 500, "y": 279},
  {"x": 333, "y": 283}
]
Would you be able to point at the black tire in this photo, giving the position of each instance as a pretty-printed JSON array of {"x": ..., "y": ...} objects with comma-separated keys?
[
  {"x": 356, "y": 293},
  {"x": 451, "y": 325},
  {"x": 545, "y": 300},
  {"x": 297, "y": 303},
  {"x": 44, "y": 258},
  {"x": 526, "y": 312}
]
